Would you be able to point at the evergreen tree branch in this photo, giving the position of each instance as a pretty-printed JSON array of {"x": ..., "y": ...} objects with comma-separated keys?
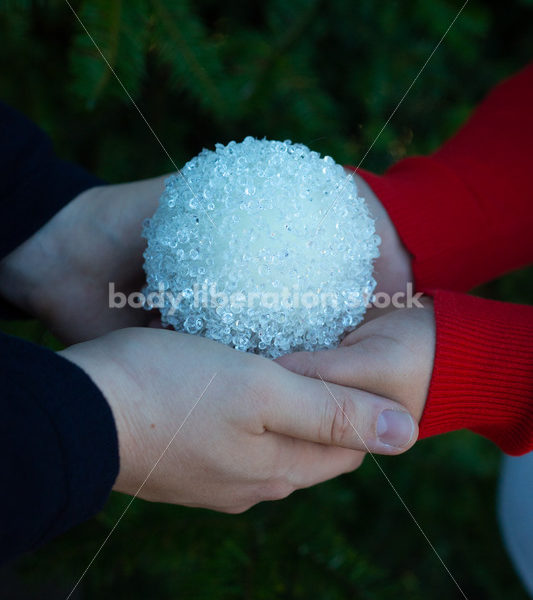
[
  {"x": 169, "y": 23},
  {"x": 115, "y": 14},
  {"x": 282, "y": 46}
]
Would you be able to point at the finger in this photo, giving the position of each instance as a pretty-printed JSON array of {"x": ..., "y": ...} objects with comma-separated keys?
[
  {"x": 337, "y": 364},
  {"x": 313, "y": 463},
  {"x": 373, "y": 364},
  {"x": 304, "y": 464},
  {"x": 374, "y": 313},
  {"x": 331, "y": 414}
]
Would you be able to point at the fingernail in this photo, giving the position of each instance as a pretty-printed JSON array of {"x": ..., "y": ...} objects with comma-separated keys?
[{"x": 395, "y": 428}]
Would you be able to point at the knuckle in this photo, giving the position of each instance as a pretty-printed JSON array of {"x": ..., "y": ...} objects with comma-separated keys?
[
  {"x": 276, "y": 487},
  {"x": 277, "y": 490},
  {"x": 258, "y": 381},
  {"x": 236, "y": 510},
  {"x": 251, "y": 391},
  {"x": 339, "y": 419},
  {"x": 356, "y": 462}
]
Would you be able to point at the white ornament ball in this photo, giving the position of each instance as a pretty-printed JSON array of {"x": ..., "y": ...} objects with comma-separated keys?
[{"x": 261, "y": 245}]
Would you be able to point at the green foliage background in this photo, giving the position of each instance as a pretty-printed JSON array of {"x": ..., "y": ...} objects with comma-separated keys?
[{"x": 327, "y": 74}]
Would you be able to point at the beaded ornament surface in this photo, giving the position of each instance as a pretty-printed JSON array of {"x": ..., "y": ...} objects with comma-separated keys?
[{"x": 261, "y": 245}]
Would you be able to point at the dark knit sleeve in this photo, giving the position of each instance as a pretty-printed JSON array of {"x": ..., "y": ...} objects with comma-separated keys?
[
  {"x": 58, "y": 446},
  {"x": 34, "y": 183},
  {"x": 58, "y": 442}
]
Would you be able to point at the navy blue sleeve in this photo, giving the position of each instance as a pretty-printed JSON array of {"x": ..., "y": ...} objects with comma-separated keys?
[
  {"x": 58, "y": 441},
  {"x": 34, "y": 183},
  {"x": 58, "y": 446}
]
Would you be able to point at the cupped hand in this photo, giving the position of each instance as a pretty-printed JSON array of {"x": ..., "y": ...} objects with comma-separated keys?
[
  {"x": 256, "y": 432},
  {"x": 61, "y": 275},
  {"x": 390, "y": 355}
]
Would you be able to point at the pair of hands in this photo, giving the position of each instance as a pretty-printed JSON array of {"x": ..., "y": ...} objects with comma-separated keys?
[{"x": 260, "y": 430}]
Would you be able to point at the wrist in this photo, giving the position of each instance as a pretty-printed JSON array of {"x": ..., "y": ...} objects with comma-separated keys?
[
  {"x": 30, "y": 273},
  {"x": 98, "y": 360},
  {"x": 94, "y": 239}
]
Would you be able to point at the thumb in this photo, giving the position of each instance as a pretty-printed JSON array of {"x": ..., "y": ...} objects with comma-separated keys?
[
  {"x": 317, "y": 411},
  {"x": 374, "y": 365},
  {"x": 333, "y": 365}
]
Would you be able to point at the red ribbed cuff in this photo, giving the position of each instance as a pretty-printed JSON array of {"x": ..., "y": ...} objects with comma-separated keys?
[{"x": 483, "y": 372}]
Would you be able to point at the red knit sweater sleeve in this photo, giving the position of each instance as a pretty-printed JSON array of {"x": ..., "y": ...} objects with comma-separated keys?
[
  {"x": 483, "y": 372},
  {"x": 465, "y": 214}
]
